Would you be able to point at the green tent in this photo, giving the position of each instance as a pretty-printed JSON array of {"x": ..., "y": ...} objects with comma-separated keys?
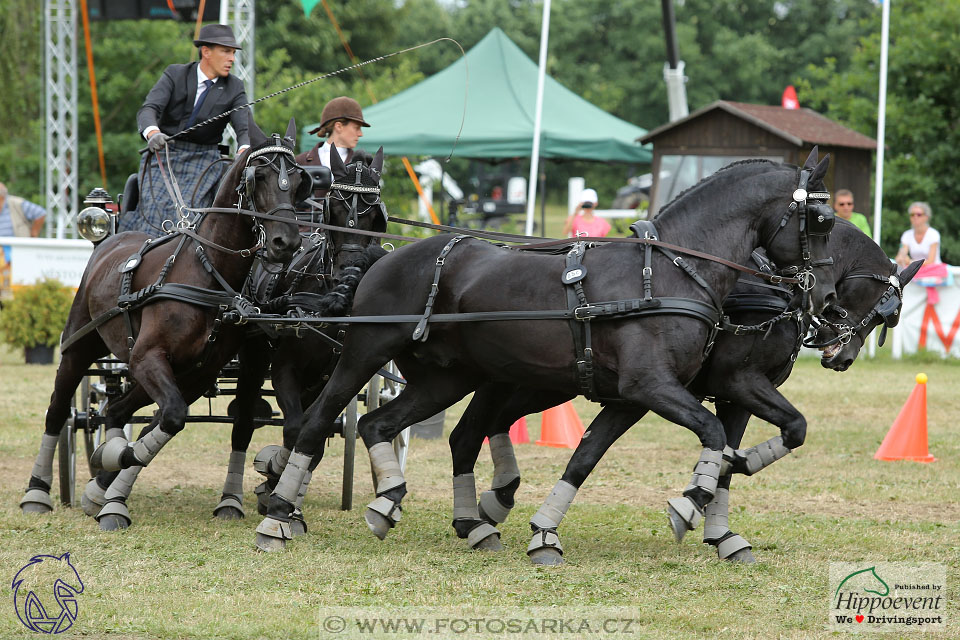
[{"x": 500, "y": 102}]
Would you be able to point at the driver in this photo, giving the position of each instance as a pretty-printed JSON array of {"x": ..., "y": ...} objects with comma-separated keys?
[{"x": 184, "y": 95}]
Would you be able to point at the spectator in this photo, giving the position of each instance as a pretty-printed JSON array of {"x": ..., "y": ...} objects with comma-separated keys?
[
  {"x": 843, "y": 206},
  {"x": 19, "y": 217},
  {"x": 583, "y": 221},
  {"x": 185, "y": 95},
  {"x": 921, "y": 242}
]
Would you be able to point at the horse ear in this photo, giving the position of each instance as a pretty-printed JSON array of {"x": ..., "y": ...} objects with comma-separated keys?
[
  {"x": 291, "y": 133},
  {"x": 257, "y": 136},
  {"x": 336, "y": 164},
  {"x": 811, "y": 160},
  {"x": 821, "y": 170},
  {"x": 378, "y": 161},
  {"x": 907, "y": 274}
]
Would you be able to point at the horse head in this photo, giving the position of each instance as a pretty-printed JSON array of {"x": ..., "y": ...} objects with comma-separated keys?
[
  {"x": 799, "y": 234},
  {"x": 269, "y": 181},
  {"x": 354, "y": 203},
  {"x": 869, "y": 294}
]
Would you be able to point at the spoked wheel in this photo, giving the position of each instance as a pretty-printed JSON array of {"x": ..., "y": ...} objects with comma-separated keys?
[{"x": 67, "y": 446}]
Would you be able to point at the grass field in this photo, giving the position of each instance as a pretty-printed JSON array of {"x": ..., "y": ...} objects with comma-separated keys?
[{"x": 177, "y": 573}]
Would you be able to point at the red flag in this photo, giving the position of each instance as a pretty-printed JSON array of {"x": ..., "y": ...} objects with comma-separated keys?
[{"x": 789, "y": 100}]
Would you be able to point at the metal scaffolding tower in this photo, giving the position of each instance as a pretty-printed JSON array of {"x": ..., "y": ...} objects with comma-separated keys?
[
  {"x": 60, "y": 106},
  {"x": 60, "y": 84}
]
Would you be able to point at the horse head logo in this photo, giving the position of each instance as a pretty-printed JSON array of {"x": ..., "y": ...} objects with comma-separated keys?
[
  {"x": 868, "y": 579},
  {"x": 45, "y": 593}
]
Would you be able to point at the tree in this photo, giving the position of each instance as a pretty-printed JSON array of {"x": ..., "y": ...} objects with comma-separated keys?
[{"x": 922, "y": 117}]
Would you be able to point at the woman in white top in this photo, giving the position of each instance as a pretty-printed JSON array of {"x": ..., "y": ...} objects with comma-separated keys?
[{"x": 921, "y": 242}]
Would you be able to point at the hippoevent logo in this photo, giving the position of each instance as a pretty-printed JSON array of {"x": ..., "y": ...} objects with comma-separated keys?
[
  {"x": 45, "y": 593},
  {"x": 891, "y": 596}
]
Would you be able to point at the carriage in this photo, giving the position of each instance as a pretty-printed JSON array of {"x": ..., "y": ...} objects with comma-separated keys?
[{"x": 108, "y": 378}]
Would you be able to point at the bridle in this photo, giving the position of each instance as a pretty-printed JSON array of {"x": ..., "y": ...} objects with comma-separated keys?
[
  {"x": 354, "y": 195},
  {"x": 887, "y": 307},
  {"x": 816, "y": 219},
  {"x": 281, "y": 159}
]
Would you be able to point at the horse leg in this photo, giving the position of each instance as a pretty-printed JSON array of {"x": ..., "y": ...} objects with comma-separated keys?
[
  {"x": 73, "y": 366},
  {"x": 152, "y": 370},
  {"x": 113, "y": 514},
  {"x": 252, "y": 372},
  {"x": 485, "y": 415},
  {"x": 275, "y": 529},
  {"x": 117, "y": 414},
  {"x": 425, "y": 395},
  {"x": 610, "y": 424},
  {"x": 716, "y": 530},
  {"x": 272, "y": 459}
]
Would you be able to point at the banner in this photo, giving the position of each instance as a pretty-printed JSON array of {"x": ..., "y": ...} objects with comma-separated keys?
[
  {"x": 33, "y": 259},
  {"x": 930, "y": 327}
]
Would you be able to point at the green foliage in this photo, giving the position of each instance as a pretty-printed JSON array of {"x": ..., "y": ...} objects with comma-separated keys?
[
  {"x": 36, "y": 315},
  {"x": 922, "y": 137}
]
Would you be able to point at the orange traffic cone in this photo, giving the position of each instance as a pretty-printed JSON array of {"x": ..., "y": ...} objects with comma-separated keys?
[
  {"x": 907, "y": 438},
  {"x": 561, "y": 427},
  {"x": 518, "y": 432}
]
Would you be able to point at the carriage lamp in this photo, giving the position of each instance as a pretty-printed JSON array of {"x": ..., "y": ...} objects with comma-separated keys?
[{"x": 94, "y": 222}]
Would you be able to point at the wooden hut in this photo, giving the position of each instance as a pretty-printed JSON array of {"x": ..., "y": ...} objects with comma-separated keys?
[{"x": 686, "y": 150}]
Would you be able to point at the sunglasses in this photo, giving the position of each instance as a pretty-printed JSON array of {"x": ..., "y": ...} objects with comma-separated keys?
[
  {"x": 917, "y": 215},
  {"x": 844, "y": 204}
]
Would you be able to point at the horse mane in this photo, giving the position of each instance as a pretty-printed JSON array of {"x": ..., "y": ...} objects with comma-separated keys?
[
  {"x": 339, "y": 301},
  {"x": 721, "y": 173}
]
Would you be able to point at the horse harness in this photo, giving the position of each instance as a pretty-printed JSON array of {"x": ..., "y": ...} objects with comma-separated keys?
[
  {"x": 887, "y": 307},
  {"x": 227, "y": 300}
]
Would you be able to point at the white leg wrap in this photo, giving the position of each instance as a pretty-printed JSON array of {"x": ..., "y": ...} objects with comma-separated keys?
[
  {"x": 707, "y": 471},
  {"x": 551, "y": 512},
  {"x": 93, "y": 498},
  {"x": 765, "y": 454},
  {"x": 114, "y": 433},
  {"x": 146, "y": 448},
  {"x": 383, "y": 459},
  {"x": 275, "y": 529},
  {"x": 233, "y": 485},
  {"x": 545, "y": 538},
  {"x": 122, "y": 485},
  {"x": 505, "y": 469},
  {"x": 289, "y": 484},
  {"x": 43, "y": 467},
  {"x": 726, "y": 465},
  {"x": 271, "y": 460},
  {"x": 302, "y": 493},
  {"x": 465, "y": 498},
  {"x": 717, "y": 522}
]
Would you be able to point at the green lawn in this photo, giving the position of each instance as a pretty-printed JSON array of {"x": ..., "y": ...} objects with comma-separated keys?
[{"x": 177, "y": 573}]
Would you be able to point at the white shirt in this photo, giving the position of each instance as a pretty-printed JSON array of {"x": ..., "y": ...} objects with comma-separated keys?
[
  {"x": 921, "y": 250},
  {"x": 325, "y": 154}
]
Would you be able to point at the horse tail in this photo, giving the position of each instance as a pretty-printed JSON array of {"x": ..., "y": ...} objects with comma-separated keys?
[{"x": 339, "y": 301}]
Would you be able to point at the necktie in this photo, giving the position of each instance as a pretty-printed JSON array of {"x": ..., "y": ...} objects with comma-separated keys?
[{"x": 196, "y": 107}]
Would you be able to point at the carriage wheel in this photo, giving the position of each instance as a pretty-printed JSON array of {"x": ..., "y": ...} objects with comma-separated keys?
[
  {"x": 349, "y": 453},
  {"x": 380, "y": 391}
]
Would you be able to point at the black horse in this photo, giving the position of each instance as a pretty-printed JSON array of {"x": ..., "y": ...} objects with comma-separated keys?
[
  {"x": 162, "y": 315},
  {"x": 320, "y": 278},
  {"x": 741, "y": 375},
  {"x": 322, "y": 281},
  {"x": 641, "y": 357}
]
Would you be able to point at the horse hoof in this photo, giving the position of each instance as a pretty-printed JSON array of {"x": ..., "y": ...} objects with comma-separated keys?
[
  {"x": 546, "y": 557},
  {"x": 744, "y": 556},
  {"x": 269, "y": 544},
  {"x": 228, "y": 513},
  {"x": 35, "y": 507},
  {"x": 92, "y": 499},
  {"x": 114, "y": 523},
  {"x": 490, "y": 543},
  {"x": 379, "y": 524},
  {"x": 298, "y": 528},
  {"x": 263, "y": 491},
  {"x": 683, "y": 516}
]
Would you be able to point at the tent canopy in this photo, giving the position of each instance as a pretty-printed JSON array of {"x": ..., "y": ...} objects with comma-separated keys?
[{"x": 500, "y": 98}]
